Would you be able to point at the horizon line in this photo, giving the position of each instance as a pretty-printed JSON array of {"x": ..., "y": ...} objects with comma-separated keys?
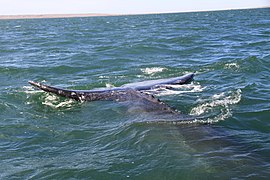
[{"x": 77, "y": 15}]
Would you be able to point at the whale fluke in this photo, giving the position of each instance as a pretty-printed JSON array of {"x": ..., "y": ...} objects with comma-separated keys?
[
  {"x": 149, "y": 102},
  {"x": 133, "y": 92}
]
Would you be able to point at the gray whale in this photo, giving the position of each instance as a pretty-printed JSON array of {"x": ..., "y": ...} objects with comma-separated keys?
[{"x": 133, "y": 92}]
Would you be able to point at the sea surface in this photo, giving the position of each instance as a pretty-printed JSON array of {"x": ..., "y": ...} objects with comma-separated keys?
[{"x": 43, "y": 136}]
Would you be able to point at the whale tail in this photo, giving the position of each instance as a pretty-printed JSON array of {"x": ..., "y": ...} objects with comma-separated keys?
[
  {"x": 149, "y": 102},
  {"x": 81, "y": 95},
  {"x": 132, "y": 92}
]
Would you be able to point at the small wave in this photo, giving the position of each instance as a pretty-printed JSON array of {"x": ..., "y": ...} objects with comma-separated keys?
[
  {"x": 152, "y": 70},
  {"x": 220, "y": 101}
]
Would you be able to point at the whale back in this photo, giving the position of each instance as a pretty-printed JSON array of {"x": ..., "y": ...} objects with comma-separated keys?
[{"x": 147, "y": 85}]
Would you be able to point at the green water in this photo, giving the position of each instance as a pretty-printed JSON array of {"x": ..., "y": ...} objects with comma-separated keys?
[{"x": 46, "y": 137}]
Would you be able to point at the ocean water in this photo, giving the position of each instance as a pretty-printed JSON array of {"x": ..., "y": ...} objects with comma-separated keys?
[{"x": 43, "y": 136}]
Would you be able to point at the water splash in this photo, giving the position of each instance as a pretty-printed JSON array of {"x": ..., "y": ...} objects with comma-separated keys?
[
  {"x": 54, "y": 102},
  {"x": 108, "y": 85},
  {"x": 220, "y": 102},
  {"x": 30, "y": 90},
  {"x": 50, "y": 99}
]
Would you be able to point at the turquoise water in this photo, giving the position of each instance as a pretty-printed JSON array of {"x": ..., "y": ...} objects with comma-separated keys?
[{"x": 46, "y": 137}]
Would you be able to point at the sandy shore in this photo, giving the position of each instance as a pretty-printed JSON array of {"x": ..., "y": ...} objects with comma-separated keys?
[{"x": 51, "y": 16}]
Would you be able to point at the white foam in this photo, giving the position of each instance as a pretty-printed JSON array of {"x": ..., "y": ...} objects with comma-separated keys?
[
  {"x": 232, "y": 66},
  {"x": 221, "y": 101},
  {"x": 103, "y": 77},
  {"x": 30, "y": 90},
  {"x": 53, "y": 101},
  {"x": 108, "y": 85},
  {"x": 152, "y": 70},
  {"x": 50, "y": 100}
]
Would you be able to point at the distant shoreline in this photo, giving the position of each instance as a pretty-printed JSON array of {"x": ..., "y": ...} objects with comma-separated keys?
[{"x": 51, "y": 16}]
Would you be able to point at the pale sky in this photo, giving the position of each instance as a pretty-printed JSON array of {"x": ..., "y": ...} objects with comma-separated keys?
[{"x": 22, "y": 7}]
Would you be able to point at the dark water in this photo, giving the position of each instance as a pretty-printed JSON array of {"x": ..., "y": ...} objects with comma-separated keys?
[{"x": 46, "y": 137}]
